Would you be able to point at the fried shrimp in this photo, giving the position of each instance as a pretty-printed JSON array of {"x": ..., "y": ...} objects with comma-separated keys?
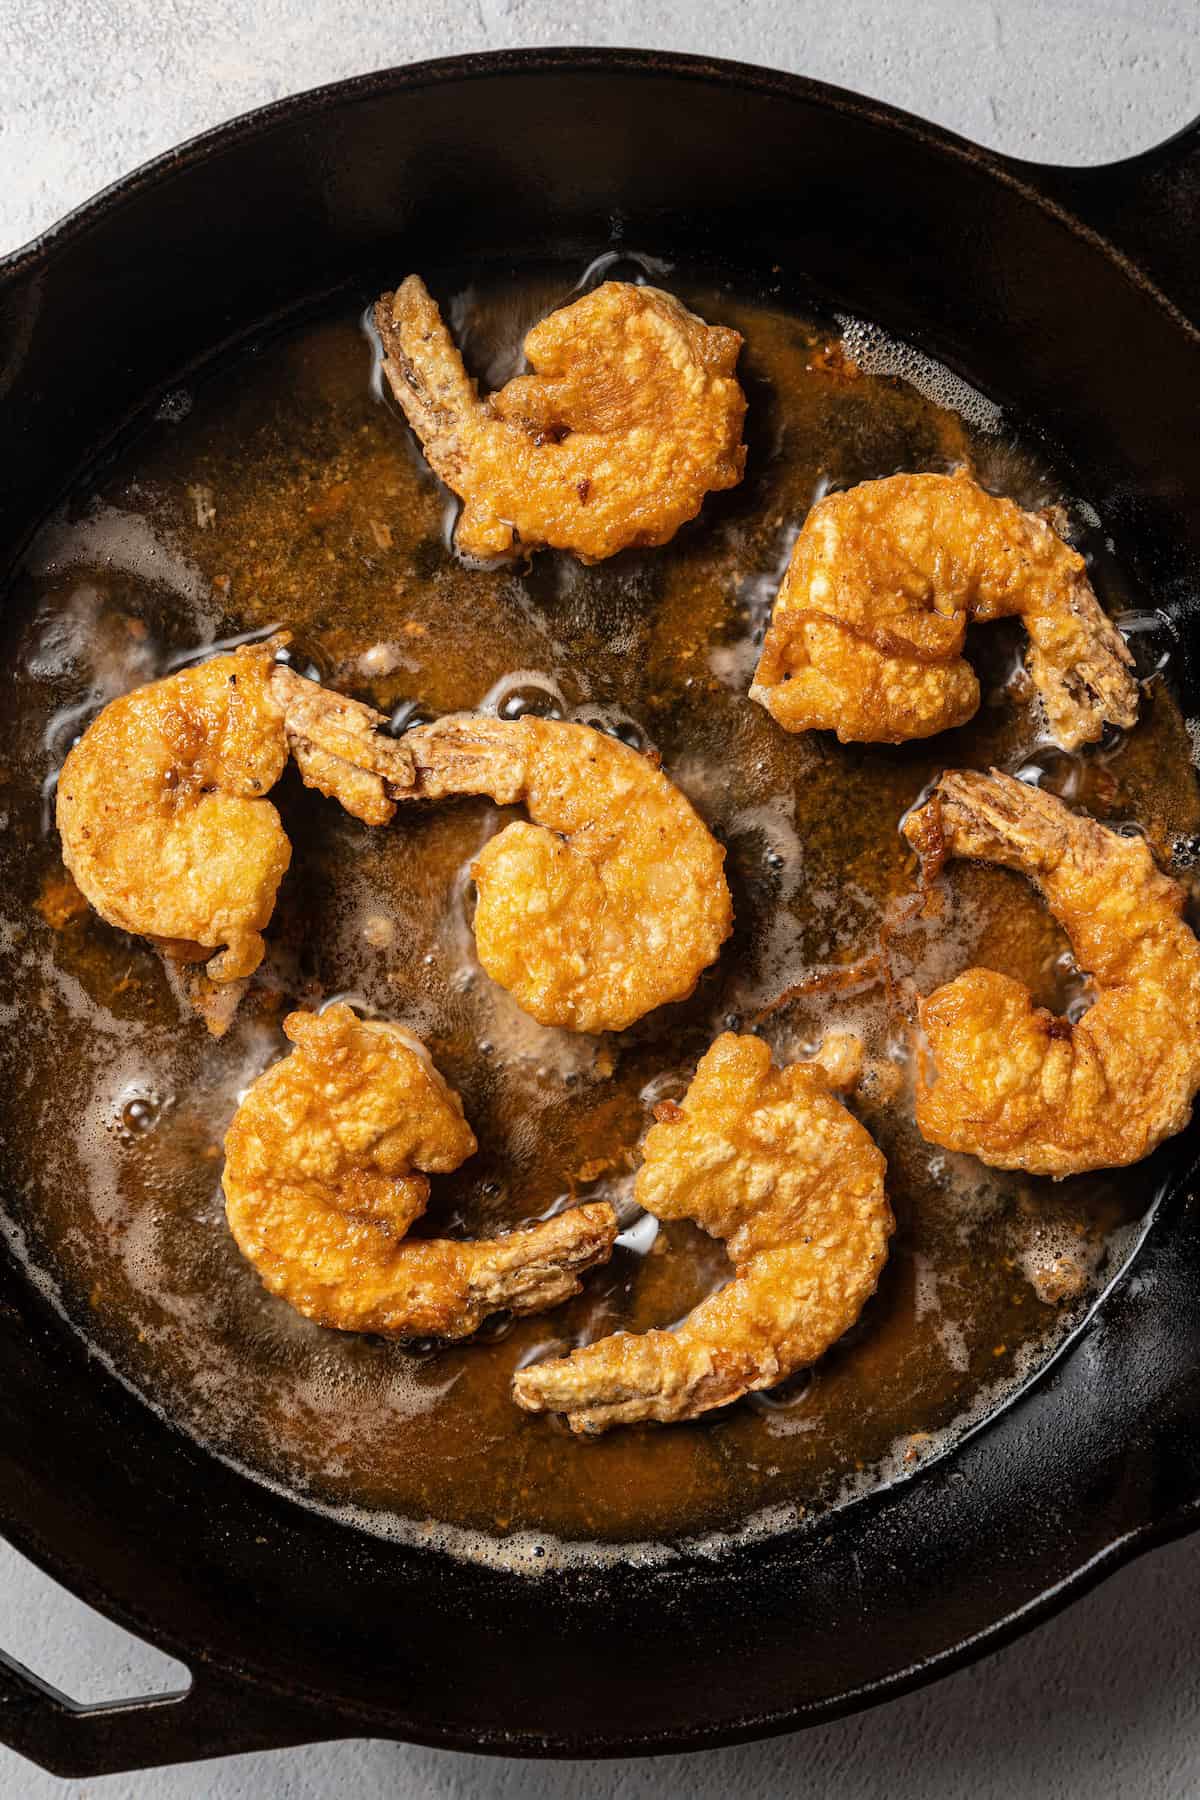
[
  {"x": 1016, "y": 1086},
  {"x": 326, "y": 1166},
  {"x": 867, "y": 634},
  {"x": 631, "y": 416},
  {"x": 162, "y": 804},
  {"x": 769, "y": 1161},
  {"x": 612, "y": 901},
  {"x": 609, "y": 903}
]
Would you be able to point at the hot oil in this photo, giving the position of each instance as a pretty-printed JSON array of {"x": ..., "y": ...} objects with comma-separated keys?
[{"x": 288, "y": 492}]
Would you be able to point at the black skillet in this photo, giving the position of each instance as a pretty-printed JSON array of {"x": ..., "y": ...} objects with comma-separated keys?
[{"x": 1066, "y": 295}]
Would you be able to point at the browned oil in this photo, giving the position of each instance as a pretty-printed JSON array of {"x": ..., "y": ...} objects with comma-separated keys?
[{"x": 285, "y": 490}]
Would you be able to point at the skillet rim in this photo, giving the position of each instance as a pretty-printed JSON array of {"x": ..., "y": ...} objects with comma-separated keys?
[{"x": 216, "y": 140}]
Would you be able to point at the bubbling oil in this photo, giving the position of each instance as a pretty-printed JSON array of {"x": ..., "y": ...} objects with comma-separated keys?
[{"x": 285, "y": 490}]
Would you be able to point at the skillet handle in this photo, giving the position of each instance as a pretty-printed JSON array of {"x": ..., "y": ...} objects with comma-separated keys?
[
  {"x": 1148, "y": 207},
  {"x": 212, "y": 1717}
]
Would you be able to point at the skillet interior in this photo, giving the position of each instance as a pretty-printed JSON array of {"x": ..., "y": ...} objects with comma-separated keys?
[
  {"x": 289, "y": 490},
  {"x": 930, "y": 239}
]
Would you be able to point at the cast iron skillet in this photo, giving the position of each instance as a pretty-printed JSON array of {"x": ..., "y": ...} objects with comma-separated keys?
[{"x": 1065, "y": 294}]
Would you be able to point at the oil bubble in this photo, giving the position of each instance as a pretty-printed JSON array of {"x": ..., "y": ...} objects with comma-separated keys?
[
  {"x": 615, "y": 724},
  {"x": 524, "y": 703},
  {"x": 524, "y": 692},
  {"x": 407, "y": 716},
  {"x": 1151, "y": 638},
  {"x": 640, "y": 1236},
  {"x": 621, "y": 265},
  {"x": 789, "y": 1396},
  {"x": 137, "y": 1111}
]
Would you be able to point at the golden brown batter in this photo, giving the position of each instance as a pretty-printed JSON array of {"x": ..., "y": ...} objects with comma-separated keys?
[
  {"x": 162, "y": 804},
  {"x": 867, "y": 633},
  {"x": 769, "y": 1161},
  {"x": 325, "y": 1171},
  {"x": 1012, "y": 1083},
  {"x": 612, "y": 901},
  {"x": 631, "y": 416},
  {"x": 162, "y": 812}
]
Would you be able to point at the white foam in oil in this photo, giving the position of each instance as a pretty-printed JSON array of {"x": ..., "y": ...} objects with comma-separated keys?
[{"x": 873, "y": 351}]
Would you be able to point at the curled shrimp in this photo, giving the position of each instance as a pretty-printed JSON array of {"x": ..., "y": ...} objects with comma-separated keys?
[
  {"x": 631, "y": 416},
  {"x": 867, "y": 633},
  {"x": 612, "y": 900},
  {"x": 610, "y": 903},
  {"x": 769, "y": 1161},
  {"x": 326, "y": 1166},
  {"x": 1016, "y": 1086},
  {"x": 162, "y": 804}
]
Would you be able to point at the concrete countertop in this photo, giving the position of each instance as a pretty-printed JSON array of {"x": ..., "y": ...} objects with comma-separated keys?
[{"x": 1105, "y": 1699}]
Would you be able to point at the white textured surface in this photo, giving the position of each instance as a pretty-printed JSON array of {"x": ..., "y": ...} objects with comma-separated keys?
[
  {"x": 91, "y": 88},
  {"x": 1105, "y": 1700}
]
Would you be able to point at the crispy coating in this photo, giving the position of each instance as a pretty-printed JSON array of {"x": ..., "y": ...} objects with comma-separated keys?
[
  {"x": 867, "y": 633},
  {"x": 162, "y": 812},
  {"x": 609, "y": 903},
  {"x": 162, "y": 804},
  {"x": 1016, "y": 1086},
  {"x": 326, "y": 1166},
  {"x": 613, "y": 900},
  {"x": 770, "y": 1161},
  {"x": 631, "y": 416}
]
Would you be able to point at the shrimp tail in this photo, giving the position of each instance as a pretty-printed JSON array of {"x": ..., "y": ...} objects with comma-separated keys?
[
  {"x": 997, "y": 819},
  {"x": 340, "y": 747},
  {"x": 1083, "y": 669},
  {"x": 426, "y": 373},
  {"x": 538, "y": 1267},
  {"x": 465, "y": 753},
  {"x": 656, "y": 1375}
]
